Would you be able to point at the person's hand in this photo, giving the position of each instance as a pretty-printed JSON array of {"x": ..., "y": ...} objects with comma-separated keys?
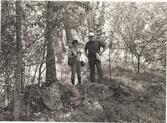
[{"x": 79, "y": 54}]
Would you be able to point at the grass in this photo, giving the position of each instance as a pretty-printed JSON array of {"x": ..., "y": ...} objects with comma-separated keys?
[{"x": 146, "y": 102}]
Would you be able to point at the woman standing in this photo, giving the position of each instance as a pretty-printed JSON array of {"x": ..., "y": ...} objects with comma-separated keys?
[{"x": 75, "y": 55}]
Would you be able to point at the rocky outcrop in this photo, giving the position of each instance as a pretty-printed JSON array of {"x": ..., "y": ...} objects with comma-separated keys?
[
  {"x": 76, "y": 103},
  {"x": 58, "y": 95}
]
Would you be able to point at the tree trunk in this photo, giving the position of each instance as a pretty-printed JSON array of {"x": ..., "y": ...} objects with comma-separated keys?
[
  {"x": 101, "y": 21},
  {"x": 91, "y": 18},
  {"x": 41, "y": 65},
  {"x": 138, "y": 65},
  {"x": 67, "y": 29},
  {"x": 102, "y": 18},
  {"x": 22, "y": 75},
  {"x": 110, "y": 62},
  {"x": 50, "y": 57},
  {"x": 17, "y": 86},
  {"x": 133, "y": 62},
  {"x": 0, "y": 33}
]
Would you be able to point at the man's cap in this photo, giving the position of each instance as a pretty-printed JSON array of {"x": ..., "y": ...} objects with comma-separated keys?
[{"x": 91, "y": 34}]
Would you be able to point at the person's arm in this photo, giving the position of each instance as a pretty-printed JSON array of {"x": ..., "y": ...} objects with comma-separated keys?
[
  {"x": 103, "y": 45},
  {"x": 86, "y": 53},
  {"x": 79, "y": 52},
  {"x": 70, "y": 53},
  {"x": 86, "y": 49}
]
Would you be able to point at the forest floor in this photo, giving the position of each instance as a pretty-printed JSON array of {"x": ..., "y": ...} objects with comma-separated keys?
[{"x": 126, "y": 97}]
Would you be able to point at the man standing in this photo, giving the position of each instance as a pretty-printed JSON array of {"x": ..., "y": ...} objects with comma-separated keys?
[{"x": 92, "y": 51}]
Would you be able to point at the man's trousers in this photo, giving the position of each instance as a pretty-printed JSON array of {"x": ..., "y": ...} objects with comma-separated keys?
[{"x": 92, "y": 63}]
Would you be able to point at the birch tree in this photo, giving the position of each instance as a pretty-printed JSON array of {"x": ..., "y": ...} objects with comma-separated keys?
[{"x": 17, "y": 86}]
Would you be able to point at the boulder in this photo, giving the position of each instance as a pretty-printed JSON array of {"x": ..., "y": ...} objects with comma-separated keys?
[
  {"x": 51, "y": 96},
  {"x": 58, "y": 95}
]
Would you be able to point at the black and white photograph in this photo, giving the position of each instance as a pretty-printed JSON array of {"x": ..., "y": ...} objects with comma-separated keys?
[{"x": 83, "y": 61}]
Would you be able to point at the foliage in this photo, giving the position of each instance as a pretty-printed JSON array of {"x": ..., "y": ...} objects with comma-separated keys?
[
  {"x": 135, "y": 32},
  {"x": 142, "y": 29}
]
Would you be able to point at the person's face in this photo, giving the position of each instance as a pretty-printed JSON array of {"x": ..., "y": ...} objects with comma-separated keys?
[
  {"x": 90, "y": 38},
  {"x": 75, "y": 44}
]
